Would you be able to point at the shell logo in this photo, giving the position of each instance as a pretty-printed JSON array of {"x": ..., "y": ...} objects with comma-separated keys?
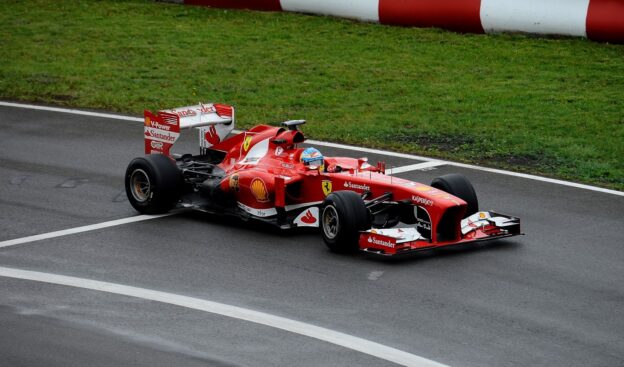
[
  {"x": 259, "y": 190},
  {"x": 148, "y": 121}
]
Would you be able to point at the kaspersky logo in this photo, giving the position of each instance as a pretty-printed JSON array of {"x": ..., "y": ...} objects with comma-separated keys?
[{"x": 421, "y": 200}]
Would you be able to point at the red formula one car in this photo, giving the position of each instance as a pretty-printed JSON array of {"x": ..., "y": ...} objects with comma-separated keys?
[{"x": 264, "y": 174}]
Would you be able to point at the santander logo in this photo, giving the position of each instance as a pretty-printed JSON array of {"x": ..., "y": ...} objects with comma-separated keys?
[
  {"x": 211, "y": 135},
  {"x": 380, "y": 242},
  {"x": 308, "y": 218}
]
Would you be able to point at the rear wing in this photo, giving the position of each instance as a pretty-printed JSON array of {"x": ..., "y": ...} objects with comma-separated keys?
[{"x": 214, "y": 121}]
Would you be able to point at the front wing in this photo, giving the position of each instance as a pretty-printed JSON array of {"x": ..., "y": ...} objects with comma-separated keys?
[{"x": 481, "y": 226}]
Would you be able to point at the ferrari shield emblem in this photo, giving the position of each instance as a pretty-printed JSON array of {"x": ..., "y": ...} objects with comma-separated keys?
[
  {"x": 246, "y": 143},
  {"x": 234, "y": 183},
  {"x": 327, "y": 187}
]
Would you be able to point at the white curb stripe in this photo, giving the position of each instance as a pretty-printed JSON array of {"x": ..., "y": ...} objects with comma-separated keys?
[
  {"x": 327, "y": 335},
  {"x": 538, "y": 178},
  {"x": 91, "y": 227},
  {"x": 356, "y": 9},
  {"x": 350, "y": 147},
  {"x": 565, "y": 17}
]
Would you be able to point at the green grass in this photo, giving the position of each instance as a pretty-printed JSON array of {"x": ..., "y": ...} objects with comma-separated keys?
[{"x": 549, "y": 106}]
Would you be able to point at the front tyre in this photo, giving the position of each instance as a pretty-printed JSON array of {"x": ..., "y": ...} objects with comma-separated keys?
[
  {"x": 153, "y": 184},
  {"x": 343, "y": 216},
  {"x": 458, "y": 185}
]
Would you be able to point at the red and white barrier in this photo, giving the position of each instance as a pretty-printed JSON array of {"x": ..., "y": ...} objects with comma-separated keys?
[{"x": 600, "y": 20}]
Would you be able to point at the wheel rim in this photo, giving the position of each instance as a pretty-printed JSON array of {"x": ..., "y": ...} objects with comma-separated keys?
[
  {"x": 330, "y": 222},
  {"x": 140, "y": 185}
]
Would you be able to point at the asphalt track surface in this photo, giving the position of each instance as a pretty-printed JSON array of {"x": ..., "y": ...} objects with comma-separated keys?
[{"x": 551, "y": 298}]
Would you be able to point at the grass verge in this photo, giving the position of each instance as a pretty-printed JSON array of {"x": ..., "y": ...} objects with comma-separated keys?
[{"x": 548, "y": 106}]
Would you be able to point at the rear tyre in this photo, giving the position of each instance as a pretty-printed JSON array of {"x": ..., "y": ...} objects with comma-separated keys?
[
  {"x": 458, "y": 185},
  {"x": 153, "y": 184},
  {"x": 343, "y": 216}
]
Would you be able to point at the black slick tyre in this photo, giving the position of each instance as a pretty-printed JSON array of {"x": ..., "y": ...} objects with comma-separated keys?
[
  {"x": 343, "y": 216},
  {"x": 458, "y": 185},
  {"x": 153, "y": 184}
]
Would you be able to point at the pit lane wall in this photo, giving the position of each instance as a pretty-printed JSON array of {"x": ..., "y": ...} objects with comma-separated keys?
[{"x": 598, "y": 20}]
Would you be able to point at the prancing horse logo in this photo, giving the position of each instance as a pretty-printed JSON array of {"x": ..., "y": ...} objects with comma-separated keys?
[
  {"x": 247, "y": 143},
  {"x": 327, "y": 187}
]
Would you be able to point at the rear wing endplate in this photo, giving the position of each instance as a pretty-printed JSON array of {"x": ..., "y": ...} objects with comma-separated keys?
[{"x": 214, "y": 121}]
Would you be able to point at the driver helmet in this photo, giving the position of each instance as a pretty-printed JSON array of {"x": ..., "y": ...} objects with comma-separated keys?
[{"x": 312, "y": 157}]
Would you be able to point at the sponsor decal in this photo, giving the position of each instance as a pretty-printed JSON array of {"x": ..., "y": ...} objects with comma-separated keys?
[
  {"x": 211, "y": 135},
  {"x": 259, "y": 190},
  {"x": 185, "y": 113},
  {"x": 247, "y": 143},
  {"x": 308, "y": 218},
  {"x": 257, "y": 212},
  {"x": 156, "y": 144},
  {"x": 482, "y": 215},
  {"x": 234, "y": 183},
  {"x": 351, "y": 185},
  {"x": 288, "y": 165},
  {"x": 421, "y": 200},
  {"x": 279, "y": 151},
  {"x": 156, "y": 124},
  {"x": 327, "y": 187},
  {"x": 380, "y": 242},
  {"x": 423, "y": 222},
  {"x": 164, "y": 136},
  {"x": 208, "y": 109},
  {"x": 422, "y": 188},
  {"x": 251, "y": 160}
]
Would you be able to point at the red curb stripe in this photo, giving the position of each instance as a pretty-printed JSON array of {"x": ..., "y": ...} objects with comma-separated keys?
[
  {"x": 605, "y": 21},
  {"x": 457, "y": 15},
  {"x": 273, "y": 5}
]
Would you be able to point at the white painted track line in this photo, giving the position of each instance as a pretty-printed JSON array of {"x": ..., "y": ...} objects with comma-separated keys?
[
  {"x": 413, "y": 167},
  {"x": 139, "y": 218},
  {"x": 71, "y": 111},
  {"x": 327, "y": 335},
  {"x": 464, "y": 165},
  {"x": 347, "y": 147},
  {"x": 91, "y": 227}
]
